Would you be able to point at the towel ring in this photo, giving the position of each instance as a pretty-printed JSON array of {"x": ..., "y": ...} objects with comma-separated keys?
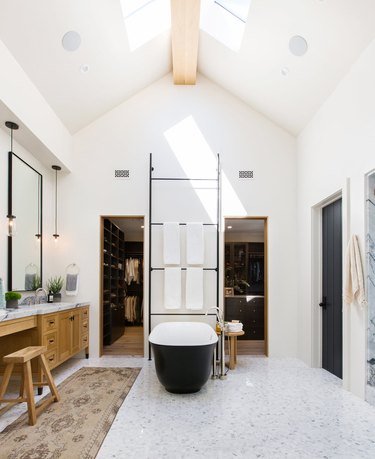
[
  {"x": 72, "y": 269},
  {"x": 31, "y": 268}
]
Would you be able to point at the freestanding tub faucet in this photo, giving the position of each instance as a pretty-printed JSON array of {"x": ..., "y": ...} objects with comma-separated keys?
[{"x": 220, "y": 319}]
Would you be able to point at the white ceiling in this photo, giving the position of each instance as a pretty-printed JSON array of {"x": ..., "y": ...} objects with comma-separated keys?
[{"x": 337, "y": 31}]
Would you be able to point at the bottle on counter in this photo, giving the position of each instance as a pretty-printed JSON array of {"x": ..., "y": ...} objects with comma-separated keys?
[{"x": 50, "y": 297}]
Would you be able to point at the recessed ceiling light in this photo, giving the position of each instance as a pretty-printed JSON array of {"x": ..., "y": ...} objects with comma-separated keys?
[
  {"x": 229, "y": 227},
  {"x": 84, "y": 68},
  {"x": 71, "y": 41},
  {"x": 285, "y": 71},
  {"x": 298, "y": 45}
]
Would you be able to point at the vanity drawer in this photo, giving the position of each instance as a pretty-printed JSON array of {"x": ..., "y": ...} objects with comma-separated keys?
[
  {"x": 85, "y": 326},
  {"x": 51, "y": 358},
  {"x": 49, "y": 322},
  {"x": 84, "y": 341},
  {"x": 50, "y": 340},
  {"x": 85, "y": 313}
]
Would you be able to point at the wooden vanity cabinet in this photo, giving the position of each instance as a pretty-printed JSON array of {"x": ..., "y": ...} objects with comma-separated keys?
[{"x": 64, "y": 333}]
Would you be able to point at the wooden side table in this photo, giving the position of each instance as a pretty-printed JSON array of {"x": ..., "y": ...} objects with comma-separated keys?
[{"x": 232, "y": 347}]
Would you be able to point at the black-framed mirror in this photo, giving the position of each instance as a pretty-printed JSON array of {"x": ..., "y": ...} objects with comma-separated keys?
[{"x": 25, "y": 185}]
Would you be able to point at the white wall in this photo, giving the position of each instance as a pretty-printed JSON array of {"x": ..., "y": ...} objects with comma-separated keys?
[
  {"x": 20, "y": 101},
  {"x": 124, "y": 137},
  {"x": 339, "y": 143}
]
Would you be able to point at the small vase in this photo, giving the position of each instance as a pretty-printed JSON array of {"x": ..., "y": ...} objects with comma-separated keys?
[
  {"x": 57, "y": 297},
  {"x": 12, "y": 304}
]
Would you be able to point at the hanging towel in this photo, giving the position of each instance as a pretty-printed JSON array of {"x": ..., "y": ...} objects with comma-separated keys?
[
  {"x": 30, "y": 281},
  {"x": 172, "y": 288},
  {"x": 194, "y": 288},
  {"x": 71, "y": 284},
  {"x": 171, "y": 243},
  {"x": 194, "y": 243},
  {"x": 354, "y": 287}
]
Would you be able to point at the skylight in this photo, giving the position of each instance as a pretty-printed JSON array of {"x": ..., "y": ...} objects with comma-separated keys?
[
  {"x": 239, "y": 8},
  {"x": 225, "y": 20},
  {"x": 145, "y": 20}
]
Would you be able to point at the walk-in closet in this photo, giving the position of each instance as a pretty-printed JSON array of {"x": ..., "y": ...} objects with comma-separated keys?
[
  {"x": 245, "y": 281},
  {"x": 122, "y": 273}
]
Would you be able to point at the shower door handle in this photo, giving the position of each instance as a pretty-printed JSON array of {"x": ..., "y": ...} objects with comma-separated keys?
[{"x": 323, "y": 304}]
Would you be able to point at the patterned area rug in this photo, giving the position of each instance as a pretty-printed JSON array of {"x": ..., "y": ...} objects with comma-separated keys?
[{"x": 76, "y": 426}]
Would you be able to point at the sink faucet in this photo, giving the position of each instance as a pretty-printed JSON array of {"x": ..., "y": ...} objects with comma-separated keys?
[
  {"x": 36, "y": 294},
  {"x": 220, "y": 319}
]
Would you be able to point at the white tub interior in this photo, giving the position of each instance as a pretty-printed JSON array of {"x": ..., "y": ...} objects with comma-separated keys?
[{"x": 183, "y": 334}]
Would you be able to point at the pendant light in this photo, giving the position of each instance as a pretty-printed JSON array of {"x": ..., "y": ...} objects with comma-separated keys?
[
  {"x": 11, "y": 218},
  {"x": 56, "y": 168},
  {"x": 38, "y": 233}
]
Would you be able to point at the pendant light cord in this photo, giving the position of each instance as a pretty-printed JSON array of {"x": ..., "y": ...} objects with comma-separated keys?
[{"x": 56, "y": 202}]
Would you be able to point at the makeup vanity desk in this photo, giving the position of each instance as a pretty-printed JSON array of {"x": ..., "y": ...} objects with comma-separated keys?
[{"x": 62, "y": 327}]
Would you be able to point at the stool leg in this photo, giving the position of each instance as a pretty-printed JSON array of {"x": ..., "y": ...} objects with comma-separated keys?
[
  {"x": 5, "y": 381},
  {"x": 232, "y": 364},
  {"x": 48, "y": 375},
  {"x": 22, "y": 386},
  {"x": 28, "y": 381}
]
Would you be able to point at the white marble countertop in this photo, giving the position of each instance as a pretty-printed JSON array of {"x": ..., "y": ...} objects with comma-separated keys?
[{"x": 37, "y": 309}]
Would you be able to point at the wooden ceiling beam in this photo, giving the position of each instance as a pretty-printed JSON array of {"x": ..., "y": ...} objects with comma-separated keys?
[{"x": 185, "y": 38}]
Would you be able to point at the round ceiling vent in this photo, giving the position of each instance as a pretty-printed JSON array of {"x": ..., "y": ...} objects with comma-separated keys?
[
  {"x": 71, "y": 41},
  {"x": 298, "y": 45}
]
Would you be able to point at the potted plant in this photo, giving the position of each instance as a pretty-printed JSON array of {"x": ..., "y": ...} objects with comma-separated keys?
[
  {"x": 12, "y": 299},
  {"x": 54, "y": 285}
]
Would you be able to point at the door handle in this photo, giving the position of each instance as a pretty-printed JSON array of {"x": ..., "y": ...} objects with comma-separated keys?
[{"x": 323, "y": 304}]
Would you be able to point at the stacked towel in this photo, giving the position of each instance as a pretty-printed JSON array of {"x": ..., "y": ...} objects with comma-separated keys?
[
  {"x": 171, "y": 243},
  {"x": 194, "y": 288},
  {"x": 194, "y": 243},
  {"x": 172, "y": 288}
]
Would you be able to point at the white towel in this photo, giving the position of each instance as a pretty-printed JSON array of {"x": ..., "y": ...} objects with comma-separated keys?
[
  {"x": 194, "y": 244},
  {"x": 354, "y": 287},
  {"x": 71, "y": 284},
  {"x": 171, "y": 243},
  {"x": 194, "y": 288},
  {"x": 172, "y": 288}
]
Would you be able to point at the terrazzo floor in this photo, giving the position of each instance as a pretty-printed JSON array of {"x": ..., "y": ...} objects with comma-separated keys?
[{"x": 266, "y": 408}]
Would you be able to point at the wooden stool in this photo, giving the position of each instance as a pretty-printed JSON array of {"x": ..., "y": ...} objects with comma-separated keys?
[
  {"x": 24, "y": 356},
  {"x": 232, "y": 347}
]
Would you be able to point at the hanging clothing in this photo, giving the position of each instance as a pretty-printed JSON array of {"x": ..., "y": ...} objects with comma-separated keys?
[{"x": 133, "y": 309}]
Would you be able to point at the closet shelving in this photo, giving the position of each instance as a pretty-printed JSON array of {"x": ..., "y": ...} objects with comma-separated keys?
[
  {"x": 113, "y": 282},
  {"x": 216, "y": 186},
  {"x": 134, "y": 249}
]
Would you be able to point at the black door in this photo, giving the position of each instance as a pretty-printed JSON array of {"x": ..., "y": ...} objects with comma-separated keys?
[{"x": 332, "y": 288}]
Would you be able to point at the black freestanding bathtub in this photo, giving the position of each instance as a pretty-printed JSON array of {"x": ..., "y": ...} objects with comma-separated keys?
[{"x": 183, "y": 353}]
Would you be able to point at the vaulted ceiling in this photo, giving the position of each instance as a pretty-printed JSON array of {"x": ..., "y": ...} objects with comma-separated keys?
[{"x": 107, "y": 68}]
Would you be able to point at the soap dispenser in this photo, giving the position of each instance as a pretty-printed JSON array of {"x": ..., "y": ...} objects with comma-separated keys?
[{"x": 50, "y": 297}]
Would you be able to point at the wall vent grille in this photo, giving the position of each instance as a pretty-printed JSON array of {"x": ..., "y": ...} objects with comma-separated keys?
[
  {"x": 246, "y": 174},
  {"x": 122, "y": 173}
]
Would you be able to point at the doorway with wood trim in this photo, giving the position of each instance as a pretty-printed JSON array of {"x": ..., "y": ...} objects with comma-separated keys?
[
  {"x": 245, "y": 281},
  {"x": 121, "y": 287}
]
